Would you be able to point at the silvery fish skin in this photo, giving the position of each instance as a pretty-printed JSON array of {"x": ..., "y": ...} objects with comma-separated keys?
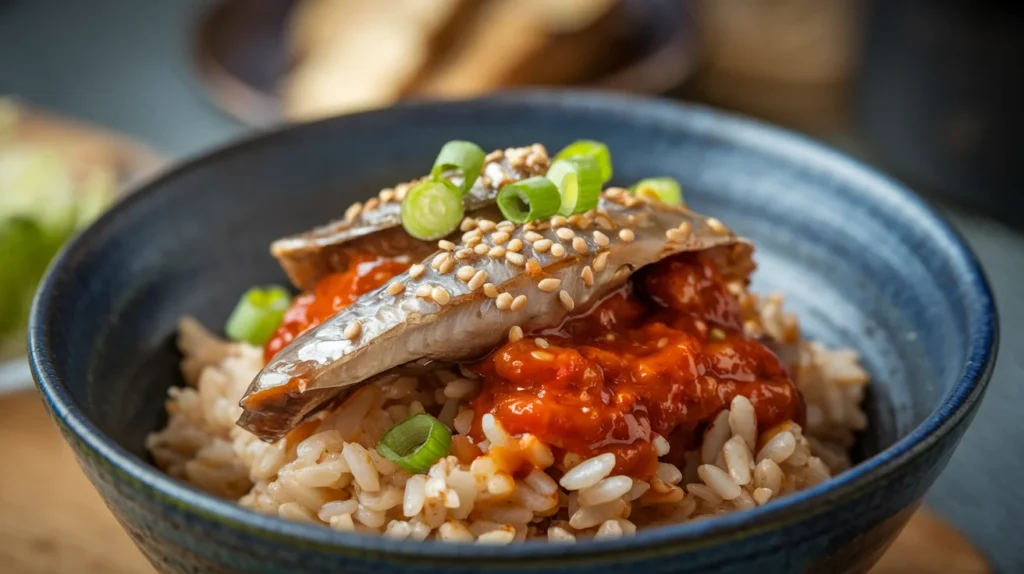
[
  {"x": 376, "y": 226},
  {"x": 324, "y": 365}
]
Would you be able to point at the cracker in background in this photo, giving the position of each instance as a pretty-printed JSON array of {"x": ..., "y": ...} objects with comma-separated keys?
[{"x": 359, "y": 54}]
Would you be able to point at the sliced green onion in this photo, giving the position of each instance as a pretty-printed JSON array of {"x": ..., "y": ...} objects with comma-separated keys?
[
  {"x": 432, "y": 209},
  {"x": 529, "y": 200},
  {"x": 257, "y": 315},
  {"x": 416, "y": 443},
  {"x": 579, "y": 182},
  {"x": 592, "y": 149},
  {"x": 664, "y": 189},
  {"x": 464, "y": 157},
  {"x": 717, "y": 334}
]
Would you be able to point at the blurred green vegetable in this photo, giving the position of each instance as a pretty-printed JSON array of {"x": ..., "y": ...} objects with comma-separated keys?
[
  {"x": 25, "y": 251},
  {"x": 41, "y": 206}
]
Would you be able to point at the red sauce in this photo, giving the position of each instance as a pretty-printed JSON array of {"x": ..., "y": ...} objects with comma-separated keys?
[
  {"x": 663, "y": 355},
  {"x": 332, "y": 294}
]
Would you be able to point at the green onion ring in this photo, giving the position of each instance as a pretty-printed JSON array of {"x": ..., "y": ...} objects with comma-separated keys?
[
  {"x": 529, "y": 200},
  {"x": 664, "y": 189},
  {"x": 258, "y": 314},
  {"x": 432, "y": 209},
  {"x": 579, "y": 182},
  {"x": 464, "y": 157},
  {"x": 592, "y": 149},
  {"x": 416, "y": 443}
]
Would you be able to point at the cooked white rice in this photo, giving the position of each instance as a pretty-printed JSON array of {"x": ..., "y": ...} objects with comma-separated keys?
[{"x": 328, "y": 471}]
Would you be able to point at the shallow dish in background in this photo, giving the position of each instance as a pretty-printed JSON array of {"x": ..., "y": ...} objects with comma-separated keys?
[
  {"x": 79, "y": 144},
  {"x": 866, "y": 264},
  {"x": 242, "y": 55}
]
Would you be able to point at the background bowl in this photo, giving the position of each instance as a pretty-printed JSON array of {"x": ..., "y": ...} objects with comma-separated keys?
[
  {"x": 865, "y": 263},
  {"x": 242, "y": 54}
]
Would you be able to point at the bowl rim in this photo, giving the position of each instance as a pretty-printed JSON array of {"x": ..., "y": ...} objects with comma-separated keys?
[{"x": 956, "y": 404}]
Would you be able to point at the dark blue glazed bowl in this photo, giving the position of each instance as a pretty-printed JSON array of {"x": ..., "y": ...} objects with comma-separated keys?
[{"x": 865, "y": 263}]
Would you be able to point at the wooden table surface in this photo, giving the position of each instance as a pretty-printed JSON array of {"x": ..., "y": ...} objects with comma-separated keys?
[{"x": 52, "y": 521}]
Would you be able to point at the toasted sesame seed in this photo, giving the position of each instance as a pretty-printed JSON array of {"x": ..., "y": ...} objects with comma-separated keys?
[
  {"x": 558, "y": 221},
  {"x": 622, "y": 273},
  {"x": 604, "y": 222},
  {"x": 515, "y": 245},
  {"x": 474, "y": 241},
  {"x": 352, "y": 330},
  {"x": 686, "y": 228},
  {"x": 396, "y": 288},
  {"x": 423, "y": 291},
  {"x": 400, "y": 191},
  {"x": 675, "y": 235},
  {"x": 466, "y": 253},
  {"x": 575, "y": 220},
  {"x": 542, "y": 355},
  {"x": 542, "y": 342},
  {"x": 716, "y": 225},
  {"x": 588, "y": 276},
  {"x": 486, "y": 225},
  {"x": 601, "y": 261},
  {"x": 465, "y": 273},
  {"x": 371, "y": 204},
  {"x": 543, "y": 245},
  {"x": 662, "y": 342},
  {"x": 614, "y": 191},
  {"x": 471, "y": 234},
  {"x": 416, "y": 271},
  {"x": 503, "y": 302},
  {"x": 490, "y": 290},
  {"x": 515, "y": 333},
  {"x": 579, "y": 244},
  {"x": 631, "y": 201},
  {"x": 548, "y": 285},
  {"x": 600, "y": 239},
  {"x": 447, "y": 265},
  {"x": 564, "y": 233},
  {"x": 446, "y": 245},
  {"x": 496, "y": 252},
  {"x": 494, "y": 156},
  {"x": 558, "y": 250},
  {"x": 517, "y": 259},
  {"x": 627, "y": 235},
  {"x": 506, "y": 226},
  {"x": 566, "y": 300},
  {"x": 440, "y": 295},
  {"x": 468, "y": 223},
  {"x": 481, "y": 249},
  {"x": 532, "y": 236},
  {"x": 477, "y": 281},
  {"x": 386, "y": 195},
  {"x": 353, "y": 211},
  {"x": 439, "y": 259},
  {"x": 519, "y": 303},
  {"x": 499, "y": 237}
]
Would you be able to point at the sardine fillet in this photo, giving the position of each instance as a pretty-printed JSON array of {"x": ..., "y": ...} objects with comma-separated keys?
[{"x": 621, "y": 236}]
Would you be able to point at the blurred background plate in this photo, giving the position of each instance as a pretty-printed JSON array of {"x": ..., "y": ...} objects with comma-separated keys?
[
  {"x": 247, "y": 51},
  {"x": 79, "y": 144}
]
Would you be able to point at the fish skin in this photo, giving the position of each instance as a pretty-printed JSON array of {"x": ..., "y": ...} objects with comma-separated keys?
[
  {"x": 321, "y": 367},
  {"x": 308, "y": 257}
]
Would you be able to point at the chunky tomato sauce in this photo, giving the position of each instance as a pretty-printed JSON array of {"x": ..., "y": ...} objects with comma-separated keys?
[
  {"x": 333, "y": 293},
  {"x": 663, "y": 355}
]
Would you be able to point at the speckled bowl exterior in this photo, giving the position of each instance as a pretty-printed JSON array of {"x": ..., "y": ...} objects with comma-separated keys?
[{"x": 864, "y": 262}]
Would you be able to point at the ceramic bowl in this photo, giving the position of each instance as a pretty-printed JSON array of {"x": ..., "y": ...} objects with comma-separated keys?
[{"x": 864, "y": 262}]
